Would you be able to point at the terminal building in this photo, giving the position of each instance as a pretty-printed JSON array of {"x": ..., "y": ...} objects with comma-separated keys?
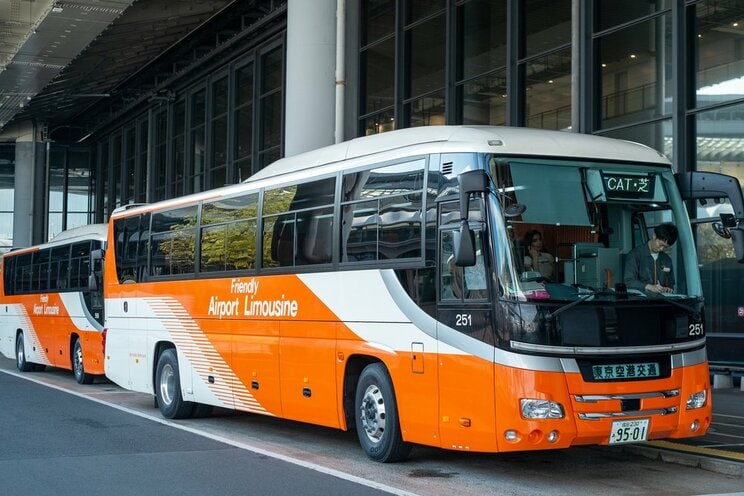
[{"x": 104, "y": 103}]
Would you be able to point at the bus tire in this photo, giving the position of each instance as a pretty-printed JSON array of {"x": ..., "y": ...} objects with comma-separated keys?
[
  {"x": 21, "y": 363},
  {"x": 377, "y": 423},
  {"x": 78, "y": 368},
  {"x": 168, "y": 387}
]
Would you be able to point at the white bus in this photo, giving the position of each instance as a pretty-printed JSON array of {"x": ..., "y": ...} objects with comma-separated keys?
[
  {"x": 380, "y": 285},
  {"x": 51, "y": 304}
]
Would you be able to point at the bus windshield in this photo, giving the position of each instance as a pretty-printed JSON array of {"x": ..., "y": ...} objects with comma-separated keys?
[{"x": 579, "y": 225}]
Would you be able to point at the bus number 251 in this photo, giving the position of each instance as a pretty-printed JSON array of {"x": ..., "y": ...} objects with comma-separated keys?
[
  {"x": 463, "y": 320},
  {"x": 696, "y": 329}
]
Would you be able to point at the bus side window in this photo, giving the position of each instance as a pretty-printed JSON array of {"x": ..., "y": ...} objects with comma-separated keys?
[
  {"x": 462, "y": 283},
  {"x": 282, "y": 242},
  {"x": 9, "y": 274},
  {"x": 317, "y": 239},
  {"x": 59, "y": 269}
]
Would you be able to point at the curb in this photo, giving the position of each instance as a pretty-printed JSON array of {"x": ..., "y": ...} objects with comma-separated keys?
[{"x": 698, "y": 459}]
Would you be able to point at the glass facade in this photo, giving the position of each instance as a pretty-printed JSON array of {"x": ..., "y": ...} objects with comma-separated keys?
[
  {"x": 270, "y": 106},
  {"x": 481, "y": 71},
  {"x": 663, "y": 73},
  {"x": 719, "y": 57},
  {"x": 449, "y": 63},
  {"x": 666, "y": 74},
  {"x": 57, "y": 178},
  {"x": 7, "y": 195},
  {"x": 718, "y": 113},
  {"x": 635, "y": 72},
  {"x": 70, "y": 185},
  {"x": 548, "y": 90},
  {"x": 202, "y": 136}
]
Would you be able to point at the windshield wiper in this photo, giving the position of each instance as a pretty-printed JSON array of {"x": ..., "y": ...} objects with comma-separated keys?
[
  {"x": 695, "y": 313},
  {"x": 581, "y": 299}
]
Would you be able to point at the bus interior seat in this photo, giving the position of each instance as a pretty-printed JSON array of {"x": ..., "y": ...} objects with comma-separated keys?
[
  {"x": 317, "y": 244},
  {"x": 282, "y": 242}
]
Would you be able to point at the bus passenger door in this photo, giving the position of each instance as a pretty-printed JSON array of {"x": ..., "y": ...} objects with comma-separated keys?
[
  {"x": 129, "y": 360},
  {"x": 95, "y": 285},
  {"x": 466, "y": 338}
]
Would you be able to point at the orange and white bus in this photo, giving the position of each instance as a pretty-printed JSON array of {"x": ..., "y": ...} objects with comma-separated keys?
[
  {"x": 378, "y": 285},
  {"x": 51, "y": 304}
]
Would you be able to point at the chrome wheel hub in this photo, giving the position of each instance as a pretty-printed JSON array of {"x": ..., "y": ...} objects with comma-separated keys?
[
  {"x": 77, "y": 361},
  {"x": 372, "y": 413},
  {"x": 167, "y": 384}
]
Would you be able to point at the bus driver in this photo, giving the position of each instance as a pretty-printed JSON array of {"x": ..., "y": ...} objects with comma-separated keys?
[{"x": 647, "y": 267}]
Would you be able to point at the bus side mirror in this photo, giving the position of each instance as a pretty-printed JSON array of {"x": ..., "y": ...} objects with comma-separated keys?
[
  {"x": 464, "y": 246},
  {"x": 92, "y": 282},
  {"x": 704, "y": 185},
  {"x": 96, "y": 259},
  {"x": 473, "y": 181},
  {"x": 711, "y": 185}
]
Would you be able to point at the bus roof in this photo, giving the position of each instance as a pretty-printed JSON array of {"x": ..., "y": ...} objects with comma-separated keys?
[
  {"x": 89, "y": 231},
  {"x": 488, "y": 139},
  {"x": 401, "y": 143}
]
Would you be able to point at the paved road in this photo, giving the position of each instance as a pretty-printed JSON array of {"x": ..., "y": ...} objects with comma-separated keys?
[
  {"x": 55, "y": 443},
  {"x": 231, "y": 453}
]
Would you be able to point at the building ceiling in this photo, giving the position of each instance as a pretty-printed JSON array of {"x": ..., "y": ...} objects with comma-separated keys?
[
  {"x": 39, "y": 38},
  {"x": 59, "y": 59}
]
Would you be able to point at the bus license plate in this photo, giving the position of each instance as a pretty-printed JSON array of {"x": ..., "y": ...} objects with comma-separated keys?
[{"x": 629, "y": 431}]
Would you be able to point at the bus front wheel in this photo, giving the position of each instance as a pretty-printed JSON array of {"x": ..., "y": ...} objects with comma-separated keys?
[
  {"x": 77, "y": 364},
  {"x": 376, "y": 414},
  {"x": 168, "y": 387},
  {"x": 21, "y": 362}
]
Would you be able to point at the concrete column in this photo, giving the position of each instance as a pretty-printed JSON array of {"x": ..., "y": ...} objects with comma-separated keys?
[
  {"x": 310, "y": 88},
  {"x": 23, "y": 201}
]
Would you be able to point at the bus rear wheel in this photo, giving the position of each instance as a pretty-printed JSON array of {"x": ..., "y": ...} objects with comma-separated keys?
[
  {"x": 168, "y": 387},
  {"x": 377, "y": 424},
  {"x": 77, "y": 364},
  {"x": 21, "y": 363}
]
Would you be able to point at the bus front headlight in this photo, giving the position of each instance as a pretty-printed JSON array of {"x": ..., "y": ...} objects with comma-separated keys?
[
  {"x": 541, "y": 409},
  {"x": 697, "y": 400}
]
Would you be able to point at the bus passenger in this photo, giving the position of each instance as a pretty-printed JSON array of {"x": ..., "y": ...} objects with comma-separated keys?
[
  {"x": 647, "y": 267},
  {"x": 536, "y": 260}
]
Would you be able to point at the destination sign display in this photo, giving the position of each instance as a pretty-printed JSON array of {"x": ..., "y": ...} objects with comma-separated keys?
[
  {"x": 620, "y": 371},
  {"x": 628, "y": 186}
]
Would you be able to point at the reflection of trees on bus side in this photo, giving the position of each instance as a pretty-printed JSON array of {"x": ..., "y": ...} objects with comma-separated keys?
[
  {"x": 228, "y": 238},
  {"x": 174, "y": 241},
  {"x": 381, "y": 214}
]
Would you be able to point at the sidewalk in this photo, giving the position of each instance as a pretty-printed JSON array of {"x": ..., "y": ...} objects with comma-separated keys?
[{"x": 720, "y": 450}]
